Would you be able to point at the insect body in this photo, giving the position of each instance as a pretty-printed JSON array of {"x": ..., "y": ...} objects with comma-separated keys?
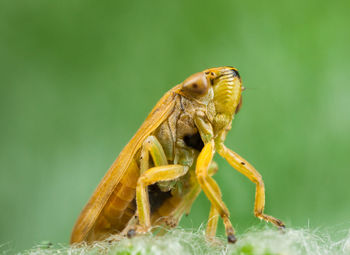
[{"x": 163, "y": 168}]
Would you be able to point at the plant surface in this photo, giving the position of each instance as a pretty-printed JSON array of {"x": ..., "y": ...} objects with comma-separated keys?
[{"x": 178, "y": 241}]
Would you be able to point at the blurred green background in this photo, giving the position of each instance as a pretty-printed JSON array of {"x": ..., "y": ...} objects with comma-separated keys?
[{"x": 79, "y": 77}]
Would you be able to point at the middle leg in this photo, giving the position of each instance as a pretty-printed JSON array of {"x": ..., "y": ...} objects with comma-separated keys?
[{"x": 151, "y": 176}]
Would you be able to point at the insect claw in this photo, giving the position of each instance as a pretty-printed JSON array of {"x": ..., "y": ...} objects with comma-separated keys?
[
  {"x": 281, "y": 225},
  {"x": 131, "y": 233},
  {"x": 231, "y": 238}
]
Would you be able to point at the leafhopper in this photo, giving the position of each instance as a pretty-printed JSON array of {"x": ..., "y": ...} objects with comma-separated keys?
[{"x": 160, "y": 172}]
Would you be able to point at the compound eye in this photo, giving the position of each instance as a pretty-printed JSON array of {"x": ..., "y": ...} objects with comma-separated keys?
[{"x": 197, "y": 84}]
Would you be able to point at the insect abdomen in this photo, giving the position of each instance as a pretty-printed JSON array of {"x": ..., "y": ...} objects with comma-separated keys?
[{"x": 120, "y": 206}]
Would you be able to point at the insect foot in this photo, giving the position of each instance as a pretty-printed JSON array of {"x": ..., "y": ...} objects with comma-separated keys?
[
  {"x": 171, "y": 222},
  {"x": 278, "y": 223},
  {"x": 214, "y": 241},
  {"x": 131, "y": 233},
  {"x": 231, "y": 238}
]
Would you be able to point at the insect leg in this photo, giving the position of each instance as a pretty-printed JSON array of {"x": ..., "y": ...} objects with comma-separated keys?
[
  {"x": 151, "y": 176},
  {"x": 213, "y": 168},
  {"x": 212, "y": 223},
  {"x": 249, "y": 171},
  {"x": 213, "y": 215},
  {"x": 186, "y": 203},
  {"x": 211, "y": 189},
  {"x": 152, "y": 146},
  {"x": 195, "y": 190}
]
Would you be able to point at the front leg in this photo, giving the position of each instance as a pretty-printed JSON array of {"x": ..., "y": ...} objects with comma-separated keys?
[
  {"x": 213, "y": 214},
  {"x": 249, "y": 171},
  {"x": 207, "y": 183},
  {"x": 212, "y": 191}
]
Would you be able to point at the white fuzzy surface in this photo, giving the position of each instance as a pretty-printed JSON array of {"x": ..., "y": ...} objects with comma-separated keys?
[{"x": 253, "y": 242}]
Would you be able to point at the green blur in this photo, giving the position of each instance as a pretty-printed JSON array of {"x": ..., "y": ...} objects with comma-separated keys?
[{"x": 77, "y": 78}]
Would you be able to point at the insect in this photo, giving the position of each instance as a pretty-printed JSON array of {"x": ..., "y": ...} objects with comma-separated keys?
[{"x": 167, "y": 163}]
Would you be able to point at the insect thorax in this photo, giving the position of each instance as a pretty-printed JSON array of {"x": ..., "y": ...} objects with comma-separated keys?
[{"x": 179, "y": 136}]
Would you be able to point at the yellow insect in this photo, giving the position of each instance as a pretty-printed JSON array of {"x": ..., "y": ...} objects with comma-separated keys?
[{"x": 163, "y": 168}]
